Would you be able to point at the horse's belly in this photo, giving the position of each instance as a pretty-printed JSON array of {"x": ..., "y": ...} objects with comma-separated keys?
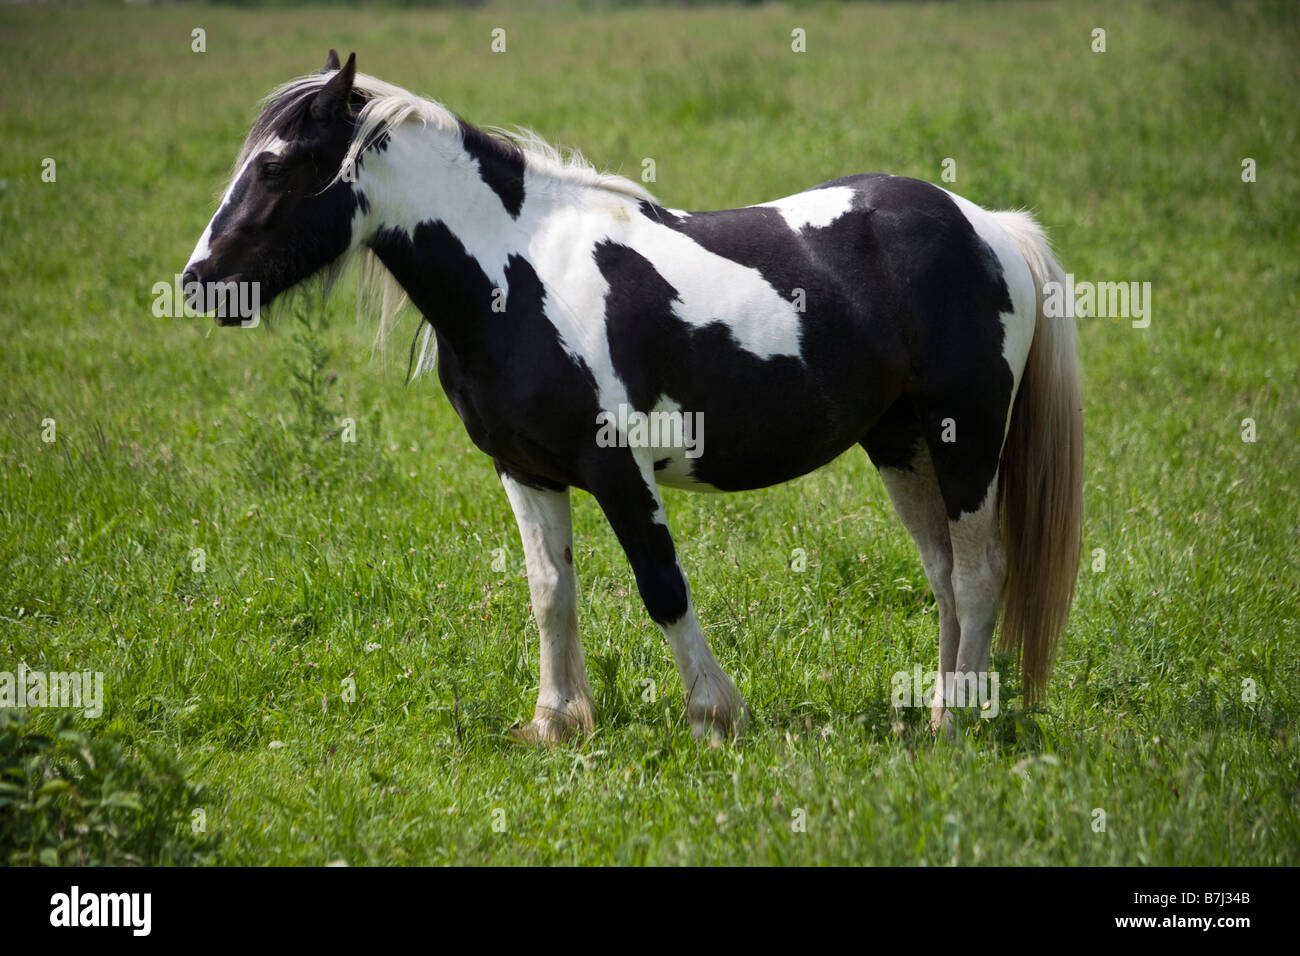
[{"x": 742, "y": 461}]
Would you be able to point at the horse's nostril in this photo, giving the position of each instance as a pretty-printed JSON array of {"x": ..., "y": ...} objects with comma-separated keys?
[{"x": 188, "y": 278}]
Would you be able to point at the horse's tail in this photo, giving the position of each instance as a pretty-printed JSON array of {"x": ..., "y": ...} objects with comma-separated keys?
[{"x": 1041, "y": 479}]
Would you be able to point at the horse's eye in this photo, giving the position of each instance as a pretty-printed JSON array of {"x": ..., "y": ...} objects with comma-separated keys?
[{"x": 272, "y": 170}]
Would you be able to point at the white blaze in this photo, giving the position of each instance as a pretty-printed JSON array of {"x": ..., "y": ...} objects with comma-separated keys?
[{"x": 203, "y": 249}]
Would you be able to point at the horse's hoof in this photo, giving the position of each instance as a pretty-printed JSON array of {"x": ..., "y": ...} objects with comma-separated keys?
[
  {"x": 942, "y": 720},
  {"x": 711, "y": 732},
  {"x": 548, "y": 732},
  {"x": 725, "y": 720},
  {"x": 551, "y": 726}
]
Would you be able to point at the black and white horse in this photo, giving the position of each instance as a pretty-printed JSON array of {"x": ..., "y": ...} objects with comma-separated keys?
[{"x": 565, "y": 308}]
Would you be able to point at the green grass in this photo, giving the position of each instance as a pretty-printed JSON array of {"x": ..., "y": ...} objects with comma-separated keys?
[{"x": 373, "y": 561}]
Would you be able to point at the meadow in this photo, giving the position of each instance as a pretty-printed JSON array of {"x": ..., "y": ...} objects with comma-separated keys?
[{"x": 313, "y": 650}]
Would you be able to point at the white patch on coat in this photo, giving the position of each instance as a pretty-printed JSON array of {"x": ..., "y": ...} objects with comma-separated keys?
[
  {"x": 817, "y": 208},
  {"x": 677, "y": 471},
  {"x": 711, "y": 288}
]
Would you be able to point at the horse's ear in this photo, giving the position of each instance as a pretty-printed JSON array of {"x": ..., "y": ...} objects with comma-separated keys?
[
  {"x": 332, "y": 100},
  {"x": 331, "y": 62}
]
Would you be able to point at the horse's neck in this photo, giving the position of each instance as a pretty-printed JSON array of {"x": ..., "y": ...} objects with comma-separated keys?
[{"x": 441, "y": 230}]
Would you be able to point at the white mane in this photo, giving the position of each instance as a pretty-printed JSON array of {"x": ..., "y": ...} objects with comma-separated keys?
[{"x": 389, "y": 106}]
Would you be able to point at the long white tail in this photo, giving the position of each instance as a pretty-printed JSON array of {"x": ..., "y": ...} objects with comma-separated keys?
[{"x": 1041, "y": 479}]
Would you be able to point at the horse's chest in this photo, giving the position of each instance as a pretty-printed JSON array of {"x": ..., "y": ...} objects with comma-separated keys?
[{"x": 535, "y": 413}]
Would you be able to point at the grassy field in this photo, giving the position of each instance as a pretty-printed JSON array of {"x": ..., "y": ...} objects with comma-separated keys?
[{"x": 328, "y": 565}]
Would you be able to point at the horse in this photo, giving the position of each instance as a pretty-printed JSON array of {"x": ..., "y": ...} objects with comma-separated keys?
[{"x": 565, "y": 309}]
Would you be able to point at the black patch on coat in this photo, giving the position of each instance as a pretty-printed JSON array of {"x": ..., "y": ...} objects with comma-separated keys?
[
  {"x": 895, "y": 439},
  {"x": 501, "y": 164},
  {"x": 954, "y": 297},
  {"x": 630, "y": 506},
  {"x": 532, "y": 481}
]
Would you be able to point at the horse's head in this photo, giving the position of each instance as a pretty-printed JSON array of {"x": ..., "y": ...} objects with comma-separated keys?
[{"x": 288, "y": 212}]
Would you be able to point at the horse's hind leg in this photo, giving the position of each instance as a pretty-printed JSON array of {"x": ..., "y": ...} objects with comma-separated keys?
[
  {"x": 898, "y": 451},
  {"x": 627, "y": 493},
  {"x": 979, "y": 574},
  {"x": 965, "y": 442},
  {"x": 564, "y": 703}
]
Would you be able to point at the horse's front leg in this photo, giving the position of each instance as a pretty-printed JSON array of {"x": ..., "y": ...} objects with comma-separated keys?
[
  {"x": 564, "y": 703},
  {"x": 627, "y": 493}
]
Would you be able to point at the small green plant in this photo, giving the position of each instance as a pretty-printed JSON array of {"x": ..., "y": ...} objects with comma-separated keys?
[
  {"x": 290, "y": 450},
  {"x": 68, "y": 797},
  {"x": 308, "y": 368}
]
